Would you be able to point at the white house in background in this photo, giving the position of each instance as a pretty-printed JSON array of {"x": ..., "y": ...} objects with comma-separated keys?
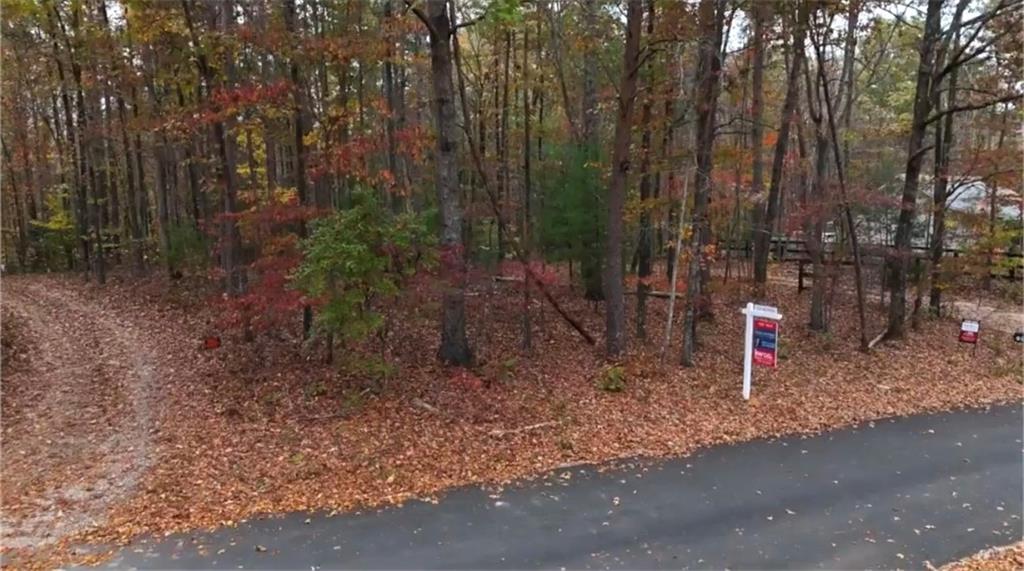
[
  {"x": 970, "y": 198},
  {"x": 975, "y": 197}
]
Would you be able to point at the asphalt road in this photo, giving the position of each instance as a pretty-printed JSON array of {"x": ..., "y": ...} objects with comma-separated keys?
[{"x": 894, "y": 493}]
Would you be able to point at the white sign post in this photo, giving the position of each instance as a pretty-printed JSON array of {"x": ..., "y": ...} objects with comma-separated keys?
[{"x": 752, "y": 311}]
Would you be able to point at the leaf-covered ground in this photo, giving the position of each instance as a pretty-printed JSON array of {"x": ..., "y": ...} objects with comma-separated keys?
[
  {"x": 264, "y": 426},
  {"x": 1008, "y": 558}
]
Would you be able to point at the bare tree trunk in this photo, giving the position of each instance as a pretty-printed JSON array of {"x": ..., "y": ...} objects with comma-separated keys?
[
  {"x": 762, "y": 237},
  {"x": 454, "y": 344},
  {"x": 615, "y": 310},
  {"x": 21, "y": 245},
  {"x": 163, "y": 184},
  {"x": 194, "y": 190},
  {"x": 231, "y": 246},
  {"x": 142, "y": 197},
  {"x": 668, "y": 146},
  {"x": 899, "y": 259},
  {"x": 667, "y": 341},
  {"x": 711, "y": 17},
  {"x": 813, "y": 226},
  {"x": 527, "y": 229},
  {"x": 134, "y": 227},
  {"x": 390, "y": 98},
  {"x": 503, "y": 173},
  {"x": 75, "y": 136},
  {"x": 590, "y": 116},
  {"x": 299, "y": 121},
  {"x": 645, "y": 242},
  {"x": 940, "y": 191},
  {"x": 851, "y": 227},
  {"x": 590, "y": 267},
  {"x": 86, "y": 144},
  {"x": 762, "y": 220}
]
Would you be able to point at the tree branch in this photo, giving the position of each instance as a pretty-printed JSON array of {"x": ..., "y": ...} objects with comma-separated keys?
[
  {"x": 410, "y": 5},
  {"x": 973, "y": 107}
]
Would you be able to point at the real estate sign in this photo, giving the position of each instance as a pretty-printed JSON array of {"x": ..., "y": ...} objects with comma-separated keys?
[
  {"x": 761, "y": 340},
  {"x": 969, "y": 330},
  {"x": 766, "y": 342}
]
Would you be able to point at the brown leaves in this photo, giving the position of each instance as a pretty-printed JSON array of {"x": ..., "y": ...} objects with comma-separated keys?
[
  {"x": 264, "y": 427},
  {"x": 1007, "y": 558}
]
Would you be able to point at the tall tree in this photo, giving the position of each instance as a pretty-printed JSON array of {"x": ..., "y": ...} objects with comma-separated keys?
[
  {"x": 899, "y": 260},
  {"x": 454, "y": 343},
  {"x": 615, "y": 307},
  {"x": 711, "y": 20},
  {"x": 645, "y": 242},
  {"x": 299, "y": 121},
  {"x": 764, "y": 209},
  {"x": 230, "y": 237}
]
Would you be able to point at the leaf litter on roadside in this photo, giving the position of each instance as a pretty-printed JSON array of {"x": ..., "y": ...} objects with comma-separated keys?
[{"x": 253, "y": 428}]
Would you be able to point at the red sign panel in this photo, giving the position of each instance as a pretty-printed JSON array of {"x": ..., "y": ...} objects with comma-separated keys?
[
  {"x": 969, "y": 331},
  {"x": 766, "y": 342}
]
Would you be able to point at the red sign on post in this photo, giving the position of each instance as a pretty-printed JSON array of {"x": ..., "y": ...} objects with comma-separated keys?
[
  {"x": 969, "y": 331},
  {"x": 766, "y": 342}
]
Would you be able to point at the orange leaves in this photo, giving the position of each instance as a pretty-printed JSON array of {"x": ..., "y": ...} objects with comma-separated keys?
[
  {"x": 465, "y": 379},
  {"x": 265, "y": 427}
]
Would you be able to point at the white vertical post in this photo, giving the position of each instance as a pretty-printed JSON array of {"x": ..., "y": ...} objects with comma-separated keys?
[{"x": 748, "y": 350}]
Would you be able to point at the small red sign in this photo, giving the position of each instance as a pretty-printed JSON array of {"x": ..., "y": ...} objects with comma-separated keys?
[{"x": 969, "y": 331}]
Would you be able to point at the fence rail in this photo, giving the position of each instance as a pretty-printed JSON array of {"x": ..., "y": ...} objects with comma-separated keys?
[{"x": 794, "y": 250}]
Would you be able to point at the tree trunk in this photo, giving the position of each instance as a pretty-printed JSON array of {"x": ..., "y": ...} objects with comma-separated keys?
[
  {"x": 194, "y": 190},
  {"x": 645, "y": 242},
  {"x": 21, "y": 244},
  {"x": 764, "y": 209},
  {"x": 818, "y": 198},
  {"x": 230, "y": 237},
  {"x": 454, "y": 344},
  {"x": 590, "y": 265},
  {"x": 711, "y": 17},
  {"x": 527, "y": 229},
  {"x": 762, "y": 238},
  {"x": 503, "y": 177},
  {"x": 134, "y": 227},
  {"x": 299, "y": 120},
  {"x": 940, "y": 191},
  {"x": 899, "y": 259},
  {"x": 615, "y": 311},
  {"x": 851, "y": 227},
  {"x": 390, "y": 98}
]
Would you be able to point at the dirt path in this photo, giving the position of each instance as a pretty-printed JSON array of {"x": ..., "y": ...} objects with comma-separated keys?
[{"x": 77, "y": 414}]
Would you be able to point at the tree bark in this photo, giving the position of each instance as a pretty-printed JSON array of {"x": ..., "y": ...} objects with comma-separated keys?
[
  {"x": 711, "y": 18},
  {"x": 851, "y": 227},
  {"x": 615, "y": 311},
  {"x": 527, "y": 229},
  {"x": 762, "y": 238},
  {"x": 299, "y": 121},
  {"x": 590, "y": 265},
  {"x": 645, "y": 242},
  {"x": 454, "y": 347},
  {"x": 134, "y": 227},
  {"x": 764, "y": 209},
  {"x": 899, "y": 259}
]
